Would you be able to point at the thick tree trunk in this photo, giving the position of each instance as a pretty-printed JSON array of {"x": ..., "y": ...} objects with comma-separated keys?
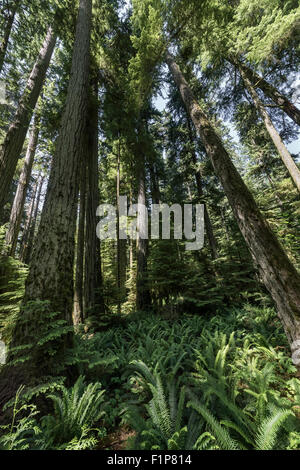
[
  {"x": 93, "y": 290},
  {"x": 31, "y": 232},
  {"x": 50, "y": 275},
  {"x": 78, "y": 316},
  {"x": 6, "y": 31},
  {"x": 277, "y": 272},
  {"x": 20, "y": 197},
  {"x": 142, "y": 292},
  {"x": 277, "y": 141},
  {"x": 269, "y": 90},
  {"x": 13, "y": 143}
]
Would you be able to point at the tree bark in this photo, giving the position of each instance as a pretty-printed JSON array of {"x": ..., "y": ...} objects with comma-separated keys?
[
  {"x": 142, "y": 292},
  {"x": 269, "y": 90},
  {"x": 78, "y": 316},
  {"x": 20, "y": 197},
  {"x": 93, "y": 290},
  {"x": 277, "y": 141},
  {"x": 6, "y": 32},
  {"x": 31, "y": 232},
  {"x": 50, "y": 275},
  {"x": 31, "y": 211},
  {"x": 277, "y": 272},
  {"x": 13, "y": 143}
]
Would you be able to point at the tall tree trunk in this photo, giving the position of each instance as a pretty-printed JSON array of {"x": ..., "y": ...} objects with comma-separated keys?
[
  {"x": 50, "y": 275},
  {"x": 20, "y": 197},
  {"x": 277, "y": 272},
  {"x": 142, "y": 291},
  {"x": 155, "y": 191},
  {"x": 6, "y": 31},
  {"x": 78, "y": 316},
  {"x": 13, "y": 143},
  {"x": 28, "y": 222},
  {"x": 93, "y": 291},
  {"x": 269, "y": 90},
  {"x": 277, "y": 141},
  {"x": 31, "y": 231},
  {"x": 118, "y": 229},
  {"x": 208, "y": 225}
]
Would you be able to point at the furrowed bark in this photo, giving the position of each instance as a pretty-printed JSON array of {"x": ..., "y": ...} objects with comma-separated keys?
[
  {"x": 50, "y": 275},
  {"x": 13, "y": 143},
  {"x": 20, "y": 197},
  {"x": 277, "y": 141},
  {"x": 277, "y": 272},
  {"x": 269, "y": 90}
]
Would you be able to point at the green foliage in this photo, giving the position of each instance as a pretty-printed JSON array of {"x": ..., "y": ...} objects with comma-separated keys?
[
  {"x": 70, "y": 427},
  {"x": 76, "y": 410},
  {"x": 12, "y": 282}
]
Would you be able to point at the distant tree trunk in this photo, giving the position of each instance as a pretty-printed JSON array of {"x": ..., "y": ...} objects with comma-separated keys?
[
  {"x": 50, "y": 275},
  {"x": 32, "y": 227},
  {"x": 142, "y": 295},
  {"x": 7, "y": 30},
  {"x": 155, "y": 191},
  {"x": 13, "y": 143},
  {"x": 208, "y": 225},
  {"x": 93, "y": 291},
  {"x": 78, "y": 316},
  {"x": 277, "y": 272},
  {"x": 269, "y": 90},
  {"x": 25, "y": 237},
  {"x": 277, "y": 141},
  {"x": 118, "y": 230},
  {"x": 20, "y": 197}
]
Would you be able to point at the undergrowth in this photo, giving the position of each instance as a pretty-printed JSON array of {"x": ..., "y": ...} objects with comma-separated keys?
[{"x": 204, "y": 383}]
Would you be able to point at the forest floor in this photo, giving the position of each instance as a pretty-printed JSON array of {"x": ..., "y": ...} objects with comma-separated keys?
[{"x": 223, "y": 381}]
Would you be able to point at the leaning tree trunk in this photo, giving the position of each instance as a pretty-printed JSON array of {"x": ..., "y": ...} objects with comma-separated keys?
[
  {"x": 93, "y": 286},
  {"x": 20, "y": 197},
  {"x": 50, "y": 275},
  {"x": 269, "y": 90},
  {"x": 13, "y": 143},
  {"x": 277, "y": 272},
  {"x": 79, "y": 276},
  {"x": 277, "y": 141},
  {"x": 6, "y": 32}
]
